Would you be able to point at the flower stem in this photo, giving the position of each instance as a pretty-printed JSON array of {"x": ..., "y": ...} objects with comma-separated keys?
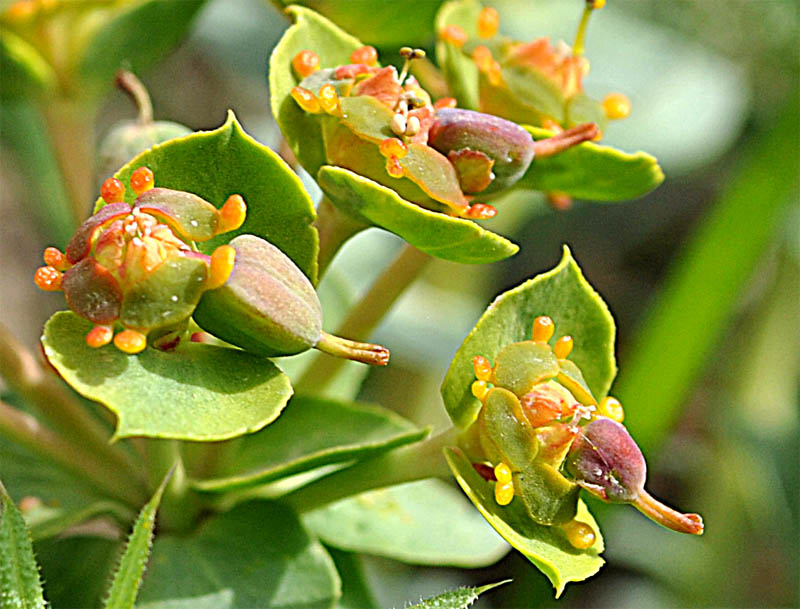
[
  {"x": 405, "y": 464},
  {"x": 131, "y": 85},
  {"x": 334, "y": 229},
  {"x": 365, "y": 316}
]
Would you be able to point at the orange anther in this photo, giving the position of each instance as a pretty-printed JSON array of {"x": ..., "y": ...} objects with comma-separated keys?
[
  {"x": 543, "y": 328},
  {"x": 305, "y": 62},
  {"x": 445, "y": 102},
  {"x": 232, "y": 214},
  {"x": 480, "y": 211},
  {"x": 47, "y": 278},
  {"x": 394, "y": 168},
  {"x": 130, "y": 341},
  {"x": 563, "y": 347},
  {"x": 579, "y": 534},
  {"x": 488, "y": 22},
  {"x": 616, "y": 106},
  {"x": 479, "y": 389},
  {"x": 221, "y": 266},
  {"x": 56, "y": 258},
  {"x": 366, "y": 55},
  {"x": 21, "y": 10},
  {"x": 482, "y": 368},
  {"x": 612, "y": 408},
  {"x": 112, "y": 191},
  {"x": 454, "y": 34},
  {"x": 306, "y": 100},
  {"x": 393, "y": 146},
  {"x": 99, "y": 336},
  {"x": 483, "y": 58},
  {"x": 329, "y": 99},
  {"x": 142, "y": 180},
  {"x": 495, "y": 74}
]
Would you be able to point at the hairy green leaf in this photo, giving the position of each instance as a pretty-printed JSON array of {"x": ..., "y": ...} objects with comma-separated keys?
[
  {"x": 545, "y": 546},
  {"x": 196, "y": 392},
  {"x": 128, "y": 576},
  {"x": 461, "y": 598},
  {"x": 312, "y": 432},
  {"x": 216, "y": 164},
  {"x": 425, "y": 523},
  {"x": 258, "y": 550},
  {"x": 577, "y": 310},
  {"x": 20, "y": 586},
  {"x": 432, "y": 232}
]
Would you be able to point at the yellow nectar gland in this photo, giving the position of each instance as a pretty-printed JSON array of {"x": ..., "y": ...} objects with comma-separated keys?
[
  {"x": 221, "y": 266},
  {"x": 616, "y": 106},
  {"x": 483, "y": 58},
  {"x": 393, "y": 146},
  {"x": 502, "y": 472},
  {"x": 504, "y": 488},
  {"x": 232, "y": 214},
  {"x": 480, "y": 211},
  {"x": 563, "y": 347},
  {"x": 579, "y": 534},
  {"x": 329, "y": 99},
  {"x": 394, "y": 168},
  {"x": 47, "y": 278},
  {"x": 142, "y": 180},
  {"x": 305, "y": 62},
  {"x": 543, "y": 328},
  {"x": 130, "y": 341},
  {"x": 99, "y": 336},
  {"x": 612, "y": 408},
  {"x": 482, "y": 368},
  {"x": 480, "y": 389},
  {"x": 598, "y": 4},
  {"x": 454, "y": 34},
  {"x": 495, "y": 74},
  {"x": 306, "y": 100},
  {"x": 112, "y": 191},
  {"x": 488, "y": 22},
  {"x": 366, "y": 55},
  {"x": 56, "y": 258}
]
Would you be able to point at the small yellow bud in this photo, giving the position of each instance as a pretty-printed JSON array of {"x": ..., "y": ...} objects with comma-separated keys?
[
  {"x": 482, "y": 368},
  {"x": 616, "y": 106},
  {"x": 399, "y": 123},
  {"x": 502, "y": 472},
  {"x": 480, "y": 389},
  {"x": 504, "y": 492},
  {"x": 579, "y": 534},
  {"x": 130, "y": 341},
  {"x": 412, "y": 126},
  {"x": 612, "y": 408},
  {"x": 488, "y": 22},
  {"x": 543, "y": 328}
]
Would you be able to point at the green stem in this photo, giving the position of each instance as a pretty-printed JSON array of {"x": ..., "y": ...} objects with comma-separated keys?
[
  {"x": 25, "y": 430},
  {"x": 365, "y": 316},
  {"x": 334, "y": 230},
  {"x": 580, "y": 35},
  {"x": 26, "y": 377},
  {"x": 131, "y": 85},
  {"x": 179, "y": 505},
  {"x": 406, "y": 464}
]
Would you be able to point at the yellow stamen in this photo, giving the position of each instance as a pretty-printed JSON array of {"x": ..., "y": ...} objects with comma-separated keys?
[
  {"x": 616, "y": 106},
  {"x": 543, "y": 328},
  {"x": 232, "y": 214},
  {"x": 221, "y": 267},
  {"x": 488, "y": 22},
  {"x": 480, "y": 389},
  {"x": 329, "y": 99},
  {"x": 99, "y": 336},
  {"x": 306, "y": 100},
  {"x": 563, "y": 347},
  {"x": 579, "y": 534},
  {"x": 130, "y": 341},
  {"x": 612, "y": 408}
]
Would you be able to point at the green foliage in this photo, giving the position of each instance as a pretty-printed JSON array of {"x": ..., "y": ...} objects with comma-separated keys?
[
  {"x": 455, "y": 599},
  {"x": 22, "y": 68},
  {"x": 197, "y": 392},
  {"x": 20, "y": 585}
]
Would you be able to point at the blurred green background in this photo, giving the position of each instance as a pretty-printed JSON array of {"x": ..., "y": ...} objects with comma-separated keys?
[{"x": 702, "y": 275}]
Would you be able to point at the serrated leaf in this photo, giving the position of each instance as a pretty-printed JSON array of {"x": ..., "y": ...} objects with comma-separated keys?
[
  {"x": 20, "y": 586},
  {"x": 216, "y": 164},
  {"x": 546, "y": 547},
  {"x": 437, "y": 234},
  {"x": 459, "y": 70},
  {"x": 23, "y": 70},
  {"x": 258, "y": 550},
  {"x": 311, "y": 32},
  {"x": 577, "y": 310},
  {"x": 128, "y": 576},
  {"x": 592, "y": 171},
  {"x": 312, "y": 432},
  {"x": 196, "y": 392},
  {"x": 424, "y": 523},
  {"x": 460, "y": 598}
]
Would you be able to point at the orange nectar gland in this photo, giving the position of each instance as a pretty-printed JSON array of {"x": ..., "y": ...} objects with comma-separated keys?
[
  {"x": 393, "y": 146},
  {"x": 305, "y": 62},
  {"x": 543, "y": 328},
  {"x": 112, "y": 191},
  {"x": 579, "y": 534},
  {"x": 616, "y": 106},
  {"x": 394, "y": 168},
  {"x": 99, "y": 336},
  {"x": 306, "y": 100},
  {"x": 232, "y": 214},
  {"x": 483, "y": 58},
  {"x": 454, "y": 34},
  {"x": 221, "y": 266},
  {"x": 130, "y": 341},
  {"x": 612, "y": 408},
  {"x": 445, "y": 102},
  {"x": 56, "y": 258},
  {"x": 329, "y": 99},
  {"x": 482, "y": 368},
  {"x": 480, "y": 211},
  {"x": 366, "y": 54},
  {"x": 480, "y": 389},
  {"x": 563, "y": 347},
  {"x": 504, "y": 488},
  {"x": 47, "y": 278},
  {"x": 495, "y": 74},
  {"x": 488, "y": 22},
  {"x": 142, "y": 180}
]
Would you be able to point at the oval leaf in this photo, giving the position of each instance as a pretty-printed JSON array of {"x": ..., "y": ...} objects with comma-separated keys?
[
  {"x": 311, "y": 433},
  {"x": 197, "y": 392},
  {"x": 592, "y": 171},
  {"x": 577, "y": 310},
  {"x": 434, "y": 233},
  {"x": 546, "y": 547},
  {"x": 216, "y": 164},
  {"x": 422, "y": 523}
]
